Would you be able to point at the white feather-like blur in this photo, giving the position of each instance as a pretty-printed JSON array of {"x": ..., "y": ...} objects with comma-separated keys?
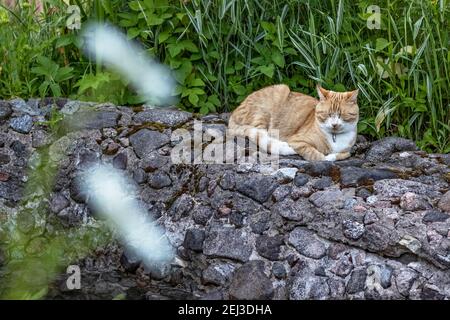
[
  {"x": 152, "y": 80},
  {"x": 113, "y": 196}
]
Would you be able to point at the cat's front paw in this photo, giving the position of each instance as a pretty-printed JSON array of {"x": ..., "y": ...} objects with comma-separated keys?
[{"x": 330, "y": 157}]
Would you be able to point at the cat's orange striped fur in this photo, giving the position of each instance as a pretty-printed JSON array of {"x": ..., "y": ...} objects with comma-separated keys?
[{"x": 322, "y": 129}]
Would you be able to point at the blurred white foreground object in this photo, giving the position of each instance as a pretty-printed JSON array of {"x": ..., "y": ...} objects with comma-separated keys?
[
  {"x": 113, "y": 196},
  {"x": 152, "y": 80}
]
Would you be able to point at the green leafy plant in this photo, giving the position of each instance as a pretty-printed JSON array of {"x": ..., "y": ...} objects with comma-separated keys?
[
  {"x": 220, "y": 51},
  {"x": 53, "y": 75}
]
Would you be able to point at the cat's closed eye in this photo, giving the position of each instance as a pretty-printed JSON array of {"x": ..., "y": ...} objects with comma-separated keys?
[{"x": 350, "y": 117}]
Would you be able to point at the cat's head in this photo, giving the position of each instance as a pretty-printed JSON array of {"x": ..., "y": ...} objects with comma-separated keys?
[{"x": 337, "y": 112}]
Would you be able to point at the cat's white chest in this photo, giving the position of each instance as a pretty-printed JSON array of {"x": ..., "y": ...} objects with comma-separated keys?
[{"x": 342, "y": 141}]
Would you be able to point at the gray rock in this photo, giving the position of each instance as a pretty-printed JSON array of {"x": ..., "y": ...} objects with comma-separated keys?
[
  {"x": 404, "y": 280},
  {"x": 40, "y": 138},
  {"x": 281, "y": 192},
  {"x": 145, "y": 141},
  {"x": 76, "y": 191},
  {"x": 337, "y": 288},
  {"x": 322, "y": 183},
  {"x": 385, "y": 276},
  {"x": 153, "y": 161},
  {"x": 4, "y": 158},
  {"x": 300, "y": 210},
  {"x": 20, "y": 149},
  {"x": 382, "y": 149},
  {"x": 307, "y": 243},
  {"x": 444, "y": 203},
  {"x": 120, "y": 161},
  {"x": 5, "y": 110},
  {"x": 285, "y": 175},
  {"x": 170, "y": 118},
  {"x": 140, "y": 176},
  {"x": 111, "y": 148},
  {"x": 435, "y": 216},
  {"x": 355, "y": 176},
  {"x": 95, "y": 119},
  {"x": 357, "y": 281},
  {"x": 269, "y": 247},
  {"x": 363, "y": 193},
  {"x": 314, "y": 288},
  {"x": 431, "y": 292},
  {"x": 320, "y": 168},
  {"x": 227, "y": 182},
  {"x": 330, "y": 197},
  {"x": 228, "y": 242},
  {"x": 58, "y": 203},
  {"x": 11, "y": 190},
  {"x": 181, "y": 207},
  {"x": 20, "y": 106},
  {"x": 218, "y": 273},
  {"x": 301, "y": 179},
  {"x": 159, "y": 180},
  {"x": 202, "y": 214},
  {"x": 413, "y": 202},
  {"x": 343, "y": 266},
  {"x": 193, "y": 239},
  {"x": 22, "y": 124},
  {"x": 259, "y": 222},
  {"x": 278, "y": 270},
  {"x": 352, "y": 229},
  {"x": 251, "y": 283},
  {"x": 395, "y": 188},
  {"x": 256, "y": 187},
  {"x": 129, "y": 262}
]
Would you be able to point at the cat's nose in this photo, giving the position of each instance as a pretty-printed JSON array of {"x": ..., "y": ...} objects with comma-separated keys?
[{"x": 335, "y": 126}]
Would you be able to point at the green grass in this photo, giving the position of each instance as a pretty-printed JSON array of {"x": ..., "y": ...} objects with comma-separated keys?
[{"x": 221, "y": 51}]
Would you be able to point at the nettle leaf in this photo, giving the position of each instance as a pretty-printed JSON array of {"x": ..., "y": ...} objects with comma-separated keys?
[
  {"x": 381, "y": 43},
  {"x": 135, "y": 6},
  {"x": 204, "y": 110},
  {"x": 278, "y": 58},
  {"x": 64, "y": 41},
  {"x": 197, "y": 83},
  {"x": 188, "y": 45},
  {"x": 163, "y": 36},
  {"x": 267, "y": 70},
  {"x": 153, "y": 20},
  {"x": 56, "y": 90},
  {"x": 92, "y": 81},
  {"x": 239, "y": 89},
  {"x": 214, "y": 99},
  {"x": 214, "y": 54},
  {"x": 43, "y": 88},
  {"x": 268, "y": 26},
  {"x": 193, "y": 98},
  {"x": 183, "y": 71},
  {"x": 133, "y": 33},
  {"x": 174, "y": 64},
  {"x": 211, "y": 107},
  {"x": 64, "y": 73},
  {"x": 229, "y": 70},
  {"x": 174, "y": 49},
  {"x": 39, "y": 71}
]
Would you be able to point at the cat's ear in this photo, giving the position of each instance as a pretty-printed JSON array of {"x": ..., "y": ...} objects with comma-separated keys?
[
  {"x": 323, "y": 94},
  {"x": 352, "y": 96}
]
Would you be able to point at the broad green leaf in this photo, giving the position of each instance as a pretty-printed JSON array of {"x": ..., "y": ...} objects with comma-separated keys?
[
  {"x": 380, "y": 44},
  {"x": 278, "y": 58},
  {"x": 267, "y": 70},
  {"x": 193, "y": 98},
  {"x": 197, "y": 83}
]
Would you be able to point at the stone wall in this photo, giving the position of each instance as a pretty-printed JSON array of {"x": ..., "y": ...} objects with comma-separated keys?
[{"x": 375, "y": 226}]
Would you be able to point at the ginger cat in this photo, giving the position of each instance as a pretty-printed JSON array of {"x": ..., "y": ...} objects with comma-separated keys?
[{"x": 322, "y": 129}]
